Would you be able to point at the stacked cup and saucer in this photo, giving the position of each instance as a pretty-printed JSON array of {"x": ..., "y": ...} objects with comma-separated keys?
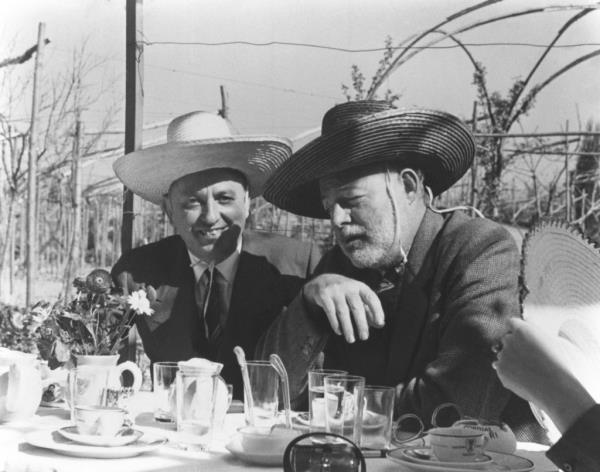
[
  {"x": 101, "y": 427},
  {"x": 457, "y": 449}
]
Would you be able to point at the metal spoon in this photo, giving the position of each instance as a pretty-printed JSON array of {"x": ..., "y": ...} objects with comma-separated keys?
[
  {"x": 241, "y": 358},
  {"x": 279, "y": 366}
]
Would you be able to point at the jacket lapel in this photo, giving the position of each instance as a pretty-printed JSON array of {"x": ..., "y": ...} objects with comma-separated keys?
[{"x": 409, "y": 318}]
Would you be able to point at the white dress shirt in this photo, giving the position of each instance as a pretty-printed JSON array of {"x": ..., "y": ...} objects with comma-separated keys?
[{"x": 227, "y": 268}]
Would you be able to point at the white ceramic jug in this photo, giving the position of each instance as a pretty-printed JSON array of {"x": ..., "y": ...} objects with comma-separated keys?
[{"x": 20, "y": 385}]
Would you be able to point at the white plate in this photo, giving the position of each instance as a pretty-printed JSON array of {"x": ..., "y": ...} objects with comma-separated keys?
[
  {"x": 409, "y": 454},
  {"x": 56, "y": 442},
  {"x": 259, "y": 458},
  {"x": 70, "y": 432},
  {"x": 500, "y": 463}
]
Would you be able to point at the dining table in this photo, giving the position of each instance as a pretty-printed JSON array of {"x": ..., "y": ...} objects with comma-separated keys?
[{"x": 18, "y": 455}]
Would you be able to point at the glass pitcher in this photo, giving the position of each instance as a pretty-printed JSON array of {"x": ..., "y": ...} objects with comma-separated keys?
[{"x": 201, "y": 402}]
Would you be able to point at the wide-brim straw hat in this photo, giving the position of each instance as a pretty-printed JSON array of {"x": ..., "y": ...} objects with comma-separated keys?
[
  {"x": 359, "y": 133},
  {"x": 559, "y": 268},
  {"x": 196, "y": 142}
]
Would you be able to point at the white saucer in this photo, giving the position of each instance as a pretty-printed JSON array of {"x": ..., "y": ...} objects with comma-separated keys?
[
  {"x": 500, "y": 462},
  {"x": 70, "y": 432},
  {"x": 56, "y": 442},
  {"x": 409, "y": 455},
  {"x": 259, "y": 458}
]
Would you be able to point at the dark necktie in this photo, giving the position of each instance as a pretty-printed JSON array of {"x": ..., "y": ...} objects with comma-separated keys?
[
  {"x": 388, "y": 290},
  {"x": 211, "y": 299}
]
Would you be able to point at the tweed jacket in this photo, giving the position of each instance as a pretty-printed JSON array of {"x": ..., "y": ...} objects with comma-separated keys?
[
  {"x": 271, "y": 270},
  {"x": 458, "y": 289},
  {"x": 577, "y": 450}
]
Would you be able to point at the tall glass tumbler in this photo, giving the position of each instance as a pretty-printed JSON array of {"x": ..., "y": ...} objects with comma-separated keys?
[
  {"x": 163, "y": 388},
  {"x": 377, "y": 417},
  {"x": 264, "y": 387},
  {"x": 316, "y": 397},
  {"x": 344, "y": 398}
]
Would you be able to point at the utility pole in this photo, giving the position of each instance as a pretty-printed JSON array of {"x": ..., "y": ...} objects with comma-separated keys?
[
  {"x": 134, "y": 105},
  {"x": 75, "y": 243},
  {"x": 32, "y": 175}
]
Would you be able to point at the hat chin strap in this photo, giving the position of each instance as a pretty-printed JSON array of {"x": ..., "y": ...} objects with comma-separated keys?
[
  {"x": 391, "y": 193},
  {"x": 448, "y": 210}
]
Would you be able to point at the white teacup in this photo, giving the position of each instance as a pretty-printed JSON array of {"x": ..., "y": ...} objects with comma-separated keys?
[
  {"x": 266, "y": 440},
  {"x": 99, "y": 420},
  {"x": 456, "y": 444},
  {"x": 500, "y": 436}
]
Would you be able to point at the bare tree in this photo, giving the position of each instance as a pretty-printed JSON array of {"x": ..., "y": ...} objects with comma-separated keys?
[{"x": 64, "y": 100}]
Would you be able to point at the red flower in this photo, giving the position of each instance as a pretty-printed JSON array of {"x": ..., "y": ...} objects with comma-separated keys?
[{"x": 98, "y": 281}]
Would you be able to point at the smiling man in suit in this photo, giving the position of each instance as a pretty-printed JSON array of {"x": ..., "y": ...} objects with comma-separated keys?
[
  {"x": 410, "y": 296},
  {"x": 217, "y": 285}
]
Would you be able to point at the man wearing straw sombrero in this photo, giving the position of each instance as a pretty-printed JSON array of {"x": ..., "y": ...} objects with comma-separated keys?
[
  {"x": 409, "y": 296},
  {"x": 217, "y": 285}
]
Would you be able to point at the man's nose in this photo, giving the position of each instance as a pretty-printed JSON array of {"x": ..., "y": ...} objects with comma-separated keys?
[
  {"x": 339, "y": 215},
  {"x": 210, "y": 213}
]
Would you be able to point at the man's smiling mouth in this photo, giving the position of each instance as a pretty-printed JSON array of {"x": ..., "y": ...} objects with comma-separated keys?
[{"x": 211, "y": 232}]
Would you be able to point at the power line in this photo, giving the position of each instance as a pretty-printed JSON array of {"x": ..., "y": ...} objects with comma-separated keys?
[
  {"x": 245, "y": 82},
  {"x": 349, "y": 50}
]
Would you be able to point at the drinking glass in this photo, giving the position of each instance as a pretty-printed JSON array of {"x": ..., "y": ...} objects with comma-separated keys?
[
  {"x": 377, "y": 417},
  {"x": 264, "y": 388},
  {"x": 316, "y": 397},
  {"x": 163, "y": 387},
  {"x": 344, "y": 397}
]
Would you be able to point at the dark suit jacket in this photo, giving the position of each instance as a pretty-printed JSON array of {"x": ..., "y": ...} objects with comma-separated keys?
[
  {"x": 577, "y": 449},
  {"x": 459, "y": 287},
  {"x": 271, "y": 270}
]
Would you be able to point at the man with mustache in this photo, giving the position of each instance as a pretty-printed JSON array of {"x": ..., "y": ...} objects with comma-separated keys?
[
  {"x": 410, "y": 296},
  {"x": 214, "y": 285}
]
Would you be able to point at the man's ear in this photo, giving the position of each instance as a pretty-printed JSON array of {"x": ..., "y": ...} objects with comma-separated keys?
[
  {"x": 411, "y": 182},
  {"x": 167, "y": 207},
  {"x": 247, "y": 203}
]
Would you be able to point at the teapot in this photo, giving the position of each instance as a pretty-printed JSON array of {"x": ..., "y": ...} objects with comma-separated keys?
[{"x": 20, "y": 385}]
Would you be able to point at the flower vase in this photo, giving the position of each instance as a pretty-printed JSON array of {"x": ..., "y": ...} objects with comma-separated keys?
[
  {"x": 97, "y": 381},
  {"x": 96, "y": 360}
]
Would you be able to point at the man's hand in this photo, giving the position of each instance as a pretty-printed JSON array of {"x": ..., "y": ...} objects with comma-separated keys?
[
  {"x": 345, "y": 300},
  {"x": 539, "y": 368}
]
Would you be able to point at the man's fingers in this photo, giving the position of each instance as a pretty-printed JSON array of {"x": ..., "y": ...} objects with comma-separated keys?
[
  {"x": 359, "y": 315},
  {"x": 343, "y": 315},
  {"x": 330, "y": 310},
  {"x": 375, "y": 315}
]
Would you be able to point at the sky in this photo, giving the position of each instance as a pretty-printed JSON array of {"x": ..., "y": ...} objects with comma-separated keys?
[{"x": 285, "y": 90}]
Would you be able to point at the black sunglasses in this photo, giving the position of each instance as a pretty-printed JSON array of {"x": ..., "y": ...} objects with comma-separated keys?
[{"x": 323, "y": 452}]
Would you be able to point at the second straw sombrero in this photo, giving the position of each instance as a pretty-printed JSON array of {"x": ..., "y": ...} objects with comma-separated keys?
[
  {"x": 354, "y": 134},
  {"x": 200, "y": 141}
]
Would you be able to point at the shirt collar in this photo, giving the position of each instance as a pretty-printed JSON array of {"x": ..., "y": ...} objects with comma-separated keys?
[{"x": 227, "y": 267}]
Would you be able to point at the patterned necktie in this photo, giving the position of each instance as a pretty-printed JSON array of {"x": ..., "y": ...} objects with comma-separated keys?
[{"x": 211, "y": 293}]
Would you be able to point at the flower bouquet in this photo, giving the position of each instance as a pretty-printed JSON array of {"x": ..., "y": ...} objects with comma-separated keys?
[{"x": 95, "y": 322}]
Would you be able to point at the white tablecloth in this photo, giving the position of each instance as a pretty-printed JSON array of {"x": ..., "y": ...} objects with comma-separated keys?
[{"x": 18, "y": 456}]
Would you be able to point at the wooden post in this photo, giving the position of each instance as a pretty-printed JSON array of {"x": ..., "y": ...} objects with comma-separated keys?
[
  {"x": 32, "y": 176},
  {"x": 567, "y": 176},
  {"x": 224, "y": 111},
  {"x": 134, "y": 102},
  {"x": 134, "y": 105},
  {"x": 71, "y": 265},
  {"x": 474, "y": 163}
]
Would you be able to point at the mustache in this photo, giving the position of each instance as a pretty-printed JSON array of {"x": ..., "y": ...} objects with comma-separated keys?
[{"x": 348, "y": 233}]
